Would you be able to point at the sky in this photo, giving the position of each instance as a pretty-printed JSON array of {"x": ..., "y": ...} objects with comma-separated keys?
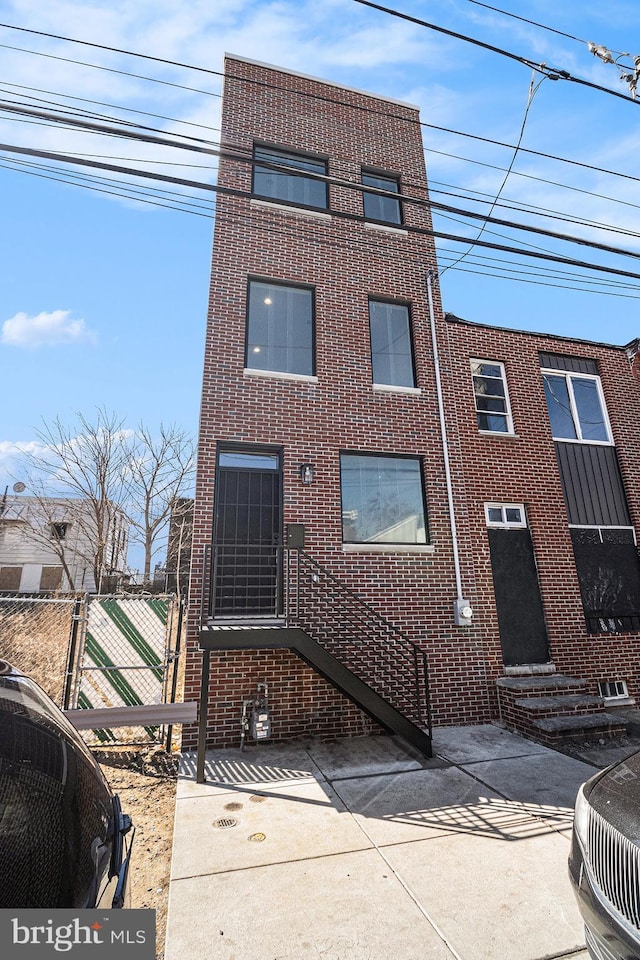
[{"x": 103, "y": 297}]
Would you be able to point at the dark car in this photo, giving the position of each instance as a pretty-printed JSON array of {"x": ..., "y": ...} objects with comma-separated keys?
[
  {"x": 604, "y": 864},
  {"x": 62, "y": 830}
]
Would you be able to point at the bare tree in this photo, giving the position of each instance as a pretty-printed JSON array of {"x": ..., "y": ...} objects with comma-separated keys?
[
  {"x": 77, "y": 481},
  {"x": 161, "y": 471}
]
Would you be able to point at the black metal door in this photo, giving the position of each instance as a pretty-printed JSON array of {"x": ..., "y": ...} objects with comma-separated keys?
[
  {"x": 523, "y": 632},
  {"x": 246, "y": 557}
]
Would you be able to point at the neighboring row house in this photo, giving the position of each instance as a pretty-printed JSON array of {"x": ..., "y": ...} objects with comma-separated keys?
[{"x": 391, "y": 524}]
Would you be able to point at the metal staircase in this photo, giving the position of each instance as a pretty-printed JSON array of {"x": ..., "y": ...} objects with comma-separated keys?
[{"x": 327, "y": 625}]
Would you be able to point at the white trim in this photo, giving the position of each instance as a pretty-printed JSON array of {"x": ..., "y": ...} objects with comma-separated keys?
[
  {"x": 295, "y": 210},
  {"x": 604, "y": 526},
  {"x": 510, "y": 431},
  {"x": 499, "y": 433},
  {"x": 372, "y": 225},
  {"x": 390, "y": 388},
  {"x": 568, "y": 376},
  {"x": 279, "y": 375},
  {"x": 388, "y": 548}
]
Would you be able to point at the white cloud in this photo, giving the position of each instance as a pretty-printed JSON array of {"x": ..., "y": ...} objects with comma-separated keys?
[{"x": 45, "y": 330}]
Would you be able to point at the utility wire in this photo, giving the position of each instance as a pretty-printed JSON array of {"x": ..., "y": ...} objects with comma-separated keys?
[
  {"x": 201, "y": 145},
  {"x": 339, "y": 214},
  {"x": 533, "y": 89},
  {"x": 550, "y": 72},
  {"x": 532, "y": 23}
]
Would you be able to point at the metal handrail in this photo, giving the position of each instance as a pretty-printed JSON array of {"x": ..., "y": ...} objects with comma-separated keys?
[{"x": 344, "y": 623}]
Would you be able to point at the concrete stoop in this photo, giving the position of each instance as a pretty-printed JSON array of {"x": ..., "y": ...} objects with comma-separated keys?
[{"x": 554, "y": 709}]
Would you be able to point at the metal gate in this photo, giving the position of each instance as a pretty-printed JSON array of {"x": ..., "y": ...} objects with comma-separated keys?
[{"x": 126, "y": 654}]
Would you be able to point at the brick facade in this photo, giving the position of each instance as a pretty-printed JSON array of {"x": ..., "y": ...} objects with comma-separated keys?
[{"x": 346, "y": 260}]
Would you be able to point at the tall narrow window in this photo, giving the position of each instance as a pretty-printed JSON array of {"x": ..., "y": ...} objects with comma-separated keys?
[
  {"x": 491, "y": 397},
  {"x": 382, "y": 499},
  {"x": 576, "y": 407},
  {"x": 377, "y": 206},
  {"x": 284, "y": 178},
  {"x": 280, "y": 328},
  {"x": 391, "y": 351}
]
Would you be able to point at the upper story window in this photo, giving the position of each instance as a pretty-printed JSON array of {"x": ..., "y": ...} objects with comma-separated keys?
[
  {"x": 280, "y": 328},
  {"x": 576, "y": 407},
  {"x": 290, "y": 184},
  {"x": 491, "y": 396},
  {"x": 59, "y": 531},
  {"x": 391, "y": 349},
  {"x": 376, "y": 205},
  {"x": 382, "y": 499}
]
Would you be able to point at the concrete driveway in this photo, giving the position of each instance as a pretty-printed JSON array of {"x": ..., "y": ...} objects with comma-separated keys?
[{"x": 359, "y": 850}]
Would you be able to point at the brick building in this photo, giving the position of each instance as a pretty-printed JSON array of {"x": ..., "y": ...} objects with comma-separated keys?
[{"x": 340, "y": 538}]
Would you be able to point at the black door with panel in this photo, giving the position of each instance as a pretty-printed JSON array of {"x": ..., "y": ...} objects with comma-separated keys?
[
  {"x": 246, "y": 554},
  {"x": 523, "y": 632}
]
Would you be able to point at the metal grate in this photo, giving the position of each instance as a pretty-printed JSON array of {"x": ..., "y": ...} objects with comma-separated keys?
[{"x": 615, "y": 865}]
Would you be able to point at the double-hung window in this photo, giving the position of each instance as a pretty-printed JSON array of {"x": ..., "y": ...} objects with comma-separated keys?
[
  {"x": 377, "y": 206},
  {"x": 382, "y": 499},
  {"x": 280, "y": 175},
  {"x": 491, "y": 396},
  {"x": 391, "y": 350},
  {"x": 280, "y": 328},
  {"x": 576, "y": 407}
]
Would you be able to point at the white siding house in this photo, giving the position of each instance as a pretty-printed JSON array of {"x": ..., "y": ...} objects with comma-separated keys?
[{"x": 48, "y": 544}]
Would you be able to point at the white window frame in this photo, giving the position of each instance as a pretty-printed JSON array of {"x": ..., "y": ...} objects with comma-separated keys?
[
  {"x": 507, "y": 414},
  {"x": 505, "y": 524},
  {"x": 569, "y": 376}
]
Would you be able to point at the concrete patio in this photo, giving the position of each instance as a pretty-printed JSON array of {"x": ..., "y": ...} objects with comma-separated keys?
[{"x": 359, "y": 850}]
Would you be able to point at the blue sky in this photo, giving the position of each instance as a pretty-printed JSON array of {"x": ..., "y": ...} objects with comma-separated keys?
[{"x": 103, "y": 299}]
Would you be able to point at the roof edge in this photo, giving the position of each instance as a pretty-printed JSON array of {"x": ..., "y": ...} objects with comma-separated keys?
[
  {"x": 452, "y": 318},
  {"x": 328, "y": 83}
]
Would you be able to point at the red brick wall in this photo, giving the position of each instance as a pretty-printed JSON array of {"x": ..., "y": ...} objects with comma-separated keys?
[
  {"x": 346, "y": 262},
  {"x": 524, "y": 469}
]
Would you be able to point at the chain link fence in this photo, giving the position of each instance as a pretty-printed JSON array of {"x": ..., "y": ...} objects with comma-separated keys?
[{"x": 95, "y": 652}]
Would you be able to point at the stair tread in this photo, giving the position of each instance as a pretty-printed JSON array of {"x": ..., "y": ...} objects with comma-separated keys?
[
  {"x": 580, "y": 722},
  {"x": 556, "y": 681},
  {"x": 560, "y": 702}
]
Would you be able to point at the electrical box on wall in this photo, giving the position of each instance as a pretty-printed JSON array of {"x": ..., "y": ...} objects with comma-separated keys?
[{"x": 462, "y": 613}]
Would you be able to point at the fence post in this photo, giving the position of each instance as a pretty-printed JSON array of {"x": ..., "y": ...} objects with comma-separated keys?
[
  {"x": 76, "y": 617},
  {"x": 176, "y": 660}
]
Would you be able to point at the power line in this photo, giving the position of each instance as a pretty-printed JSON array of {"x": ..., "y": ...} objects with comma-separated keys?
[
  {"x": 550, "y": 72},
  {"x": 532, "y": 23}
]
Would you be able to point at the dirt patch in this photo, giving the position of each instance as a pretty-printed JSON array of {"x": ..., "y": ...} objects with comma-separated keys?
[{"x": 145, "y": 780}]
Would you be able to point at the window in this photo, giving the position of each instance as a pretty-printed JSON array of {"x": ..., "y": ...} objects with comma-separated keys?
[
  {"x": 576, "y": 407},
  {"x": 505, "y": 515},
  {"x": 377, "y": 206},
  {"x": 382, "y": 499},
  {"x": 492, "y": 399},
  {"x": 51, "y": 578},
  {"x": 290, "y": 185},
  {"x": 280, "y": 328},
  {"x": 391, "y": 353},
  {"x": 613, "y": 689},
  {"x": 59, "y": 531},
  {"x": 10, "y": 578}
]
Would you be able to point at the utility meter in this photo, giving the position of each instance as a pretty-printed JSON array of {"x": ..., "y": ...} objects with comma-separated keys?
[{"x": 260, "y": 719}]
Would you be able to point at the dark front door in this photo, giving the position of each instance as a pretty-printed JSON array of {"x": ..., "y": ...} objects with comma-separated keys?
[
  {"x": 523, "y": 632},
  {"x": 246, "y": 552}
]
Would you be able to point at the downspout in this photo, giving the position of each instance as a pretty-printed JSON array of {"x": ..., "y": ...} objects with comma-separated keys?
[{"x": 462, "y": 608}]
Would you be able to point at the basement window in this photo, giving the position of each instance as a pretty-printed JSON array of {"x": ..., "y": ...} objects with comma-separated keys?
[
  {"x": 505, "y": 515},
  {"x": 613, "y": 689}
]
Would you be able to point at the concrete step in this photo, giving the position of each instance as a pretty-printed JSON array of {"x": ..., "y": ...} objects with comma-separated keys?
[
  {"x": 562, "y": 704},
  {"x": 556, "y": 729},
  {"x": 540, "y": 685}
]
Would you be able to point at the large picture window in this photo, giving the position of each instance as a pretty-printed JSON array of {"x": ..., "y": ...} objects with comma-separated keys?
[
  {"x": 576, "y": 407},
  {"x": 377, "y": 206},
  {"x": 289, "y": 185},
  {"x": 382, "y": 499},
  {"x": 491, "y": 397},
  {"x": 391, "y": 351},
  {"x": 280, "y": 328}
]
